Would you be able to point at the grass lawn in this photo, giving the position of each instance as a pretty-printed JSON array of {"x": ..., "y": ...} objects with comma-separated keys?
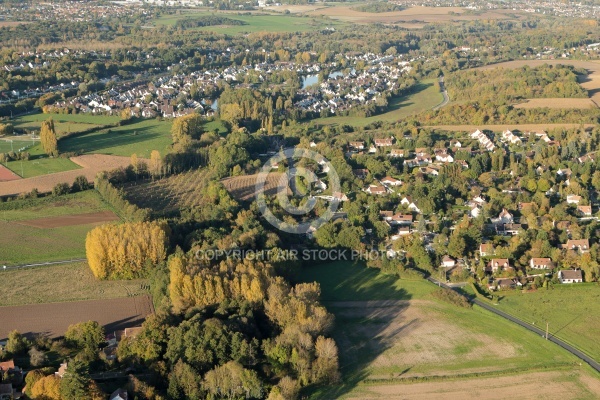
[
  {"x": 39, "y": 163},
  {"x": 21, "y": 244},
  {"x": 254, "y": 22},
  {"x": 140, "y": 138},
  {"x": 571, "y": 310},
  {"x": 426, "y": 97},
  {"x": 389, "y": 339},
  {"x": 64, "y": 123},
  {"x": 58, "y": 283}
]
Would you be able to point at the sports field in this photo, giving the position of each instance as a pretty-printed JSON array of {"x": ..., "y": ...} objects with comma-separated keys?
[
  {"x": 140, "y": 138},
  {"x": 426, "y": 96},
  {"x": 394, "y": 334},
  {"x": 22, "y": 243},
  {"x": 63, "y": 123}
]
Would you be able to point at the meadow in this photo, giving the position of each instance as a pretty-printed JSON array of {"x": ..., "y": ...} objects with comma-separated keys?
[
  {"x": 254, "y": 22},
  {"x": 571, "y": 311},
  {"x": 395, "y": 334},
  {"x": 426, "y": 96},
  {"x": 20, "y": 244},
  {"x": 140, "y": 138},
  {"x": 63, "y": 123},
  {"x": 58, "y": 283}
]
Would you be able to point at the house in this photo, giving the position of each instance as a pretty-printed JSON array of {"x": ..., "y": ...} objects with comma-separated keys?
[
  {"x": 402, "y": 231},
  {"x": 463, "y": 164},
  {"x": 585, "y": 211},
  {"x": 7, "y": 366},
  {"x": 581, "y": 245},
  {"x": 386, "y": 215},
  {"x": 119, "y": 394},
  {"x": 486, "y": 249},
  {"x": 384, "y": 142},
  {"x": 360, "y": 173},
  {"x": 444, "y": 157},
  {"x": 505, "y": 283},
  {"x": 448, "y": 262},
  {"x": 407, "y": 201},
  {"x": 401, "y": 219},
  {"x": 573, "y": 199},
  {"x": 475, "y": 212},
  {"x": 339, "y": 196},
  {"x": 389, "y": 181},
  {"x": 376, "y": 189},
  {"x": 498, "y": 264},
  {"x": 357, "y": 145},
  {"x": 396, "y": 153},
  {"x": 541, "y": 263},
  {"x": 61, "y": 370},
  {"x": 566, "y": 172},
  {"x": 503, "y": 218},
  {"x": 508, "y": 229},
  {"x": 570, "y": 276}
]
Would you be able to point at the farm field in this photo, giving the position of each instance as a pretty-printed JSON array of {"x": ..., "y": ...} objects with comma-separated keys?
[
  {"x": 140, "y": 138},
  {"x": 244, "y": 187},
  {"x": 394, "y": 332},
  {"x": 168, "y": 194},
  {"x": 89, "y": 164},
  {"x": 571, "y": 311},
  {"x": 557, "y": 103},
  {"x": 64, "y": 123},
  {"x": 20, "y": 243},
  {"x": 426, "y": 97},
  {"x": 417, "y": 17},
  {"x": 591, "y": 82},
  {"x": 62, "y": 283},
  {"x": 53, "y": 319}
]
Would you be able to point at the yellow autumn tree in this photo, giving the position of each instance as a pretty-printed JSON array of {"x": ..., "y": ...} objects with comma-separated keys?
[
  {"x": 156, "y": 164},
  {"x": 48, "y": 138},
  {"x": 47, "y": 388},
  {"x": 125, "y": 251}
]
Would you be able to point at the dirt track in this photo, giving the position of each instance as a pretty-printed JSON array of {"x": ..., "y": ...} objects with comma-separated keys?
[
  {"x": 7, "y": 175},
  {"x": 90, "y": 166},
  {"x": 54, "y": 319},
  {"x": 70, "y": 220}
]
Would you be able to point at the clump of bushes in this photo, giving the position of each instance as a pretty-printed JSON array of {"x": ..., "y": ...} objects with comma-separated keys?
[{"x": 450, "y": 296}]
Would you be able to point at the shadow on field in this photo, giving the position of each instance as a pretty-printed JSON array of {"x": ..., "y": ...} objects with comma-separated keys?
[
  {"x": 370, "y": 313},
  {"x": 94, "y": 142}
]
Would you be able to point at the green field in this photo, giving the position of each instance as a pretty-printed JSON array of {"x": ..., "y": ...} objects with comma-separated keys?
[
  {"x": 254, "y": 22},
  {"x": 571, "y": 310},
  {"x": 390, "y": 339},
  {"x": 58, "y": 283},
  {"x": 64, "y": 123},
  {"x": 21, "y": 244},
  {"x": 426, "y": 97},
  {"x": 140, "y": 138},
  {"x": 40, "y": 164}
]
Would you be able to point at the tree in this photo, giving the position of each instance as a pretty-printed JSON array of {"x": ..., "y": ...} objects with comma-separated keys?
[
  {"x": 37, "y": 357},
  {"x": 16, "y": 343},
  {"x": 75, "y": 383},
  {"x": 231, "y": 380},
  {"x": 80, "y": 184},
  {"x": 61, "y": 189},
  {"x": 48, "y": 138},
  {"x": 156, "y": 164},
  {"x": 325, "y": 367},
  {"x": 85, "y": 335},
  {"x": 47, "y": 388}
]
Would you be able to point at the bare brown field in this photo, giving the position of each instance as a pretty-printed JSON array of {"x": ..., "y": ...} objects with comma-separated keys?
[
  {"x": 591, "y": 83},
  {"x": 71, "y": 220},
  {"x": 557, "y": 103},
  {"x": 411, "y": 15},
  {"x": 295, "y": 8},
  {"x": 12, "y": 23},
  {"x": 244, "y": 187},
  {"x": 54, "y": 319},
  {"x": 7, "y": 175},
  {"x": 512, "y": 127},
  {"x": 537, "y": 385},
  {"x": 91, "y": 165}
]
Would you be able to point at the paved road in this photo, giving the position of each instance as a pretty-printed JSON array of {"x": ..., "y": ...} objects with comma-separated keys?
[
  {"x": 444, "y": 93},
  {"x": 593, "y": 363},
  {"x": 41, "y": 264}
]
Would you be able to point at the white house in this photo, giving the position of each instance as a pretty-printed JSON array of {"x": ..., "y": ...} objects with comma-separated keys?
[
  {"x": 407, "y": 201},
  {"x": 573, "y": 199},
  {"x": 570, "y": 276},
  {"x": 541, "y": 263},
  {"x": 448, "y": 262},
  {"x": 389, "y": 181}
]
